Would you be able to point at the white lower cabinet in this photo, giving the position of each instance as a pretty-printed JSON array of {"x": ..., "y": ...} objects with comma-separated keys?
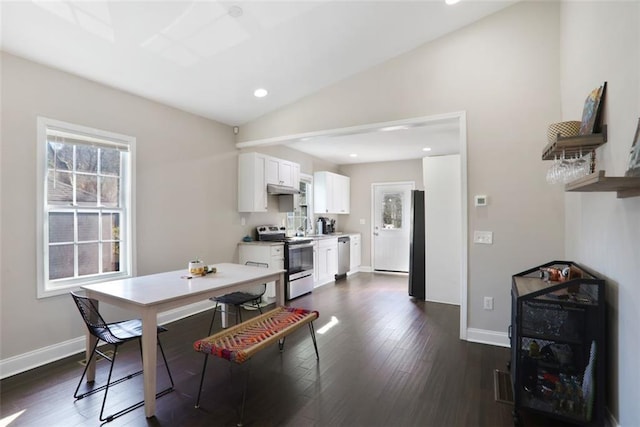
[
  {"x": 355, "y": 253},
  {"x": 268, "y": 254},
  {"x": 327, "y": 260}
]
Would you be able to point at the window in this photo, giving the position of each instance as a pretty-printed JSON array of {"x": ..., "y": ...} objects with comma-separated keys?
[
  {"x": 392, "y": 211},
  {"x": 86, "y": 209}
]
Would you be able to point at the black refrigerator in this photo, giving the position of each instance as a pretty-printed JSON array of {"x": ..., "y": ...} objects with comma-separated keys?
[{"x": 417, "y": 246}]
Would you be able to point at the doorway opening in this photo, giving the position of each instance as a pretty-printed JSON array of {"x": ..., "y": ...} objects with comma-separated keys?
[{"x": 390, "y": 219}]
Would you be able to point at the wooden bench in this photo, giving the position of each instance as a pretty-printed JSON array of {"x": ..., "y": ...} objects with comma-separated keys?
[{"x": 238, "y": 343}]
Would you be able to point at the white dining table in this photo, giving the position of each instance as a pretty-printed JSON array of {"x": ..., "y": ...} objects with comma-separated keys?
[{"x": 155, "y": 293}]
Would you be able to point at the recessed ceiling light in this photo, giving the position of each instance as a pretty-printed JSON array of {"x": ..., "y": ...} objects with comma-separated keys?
[
  {"x": 235, "y": 11},
  {"x": 426, "y": 149},
  {"x": 353, "y": 155},
  {"x": 451, "y": 1},
  {"x": 260, "y": 93}
]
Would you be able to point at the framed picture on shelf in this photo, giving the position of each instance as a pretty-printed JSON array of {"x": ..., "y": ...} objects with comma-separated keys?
[
  {"x": 592, "y": 112},
  {"x": 634, "y": 156}
]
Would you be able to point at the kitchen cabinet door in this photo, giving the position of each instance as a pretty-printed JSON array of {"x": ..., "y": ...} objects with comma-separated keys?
[
  {"x": 327, "y": 260},
  {"x": 355, "y": 253},
  {"x": 341, "y": 193},
  {"x": 252, "y": 189},
  {"x": 281, "y": 172},
  {"x": 331, "y": 193}
]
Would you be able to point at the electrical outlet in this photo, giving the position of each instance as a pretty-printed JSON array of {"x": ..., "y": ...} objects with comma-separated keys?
[
  {"x": 362, "y": 221},
  {"x": 243, "y": 221},
  {"x": 488, "y": 303}
]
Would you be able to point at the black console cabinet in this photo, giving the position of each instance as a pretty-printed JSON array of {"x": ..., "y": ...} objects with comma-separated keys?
[{"x": 558, "y": 346}]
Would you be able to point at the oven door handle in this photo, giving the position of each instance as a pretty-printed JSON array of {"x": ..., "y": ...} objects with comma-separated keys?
[
  {"x": 300, "y": 245},
  {"x": 300, "y": 275}
]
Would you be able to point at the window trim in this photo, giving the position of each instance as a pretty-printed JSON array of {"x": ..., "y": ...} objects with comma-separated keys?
[{"x": 44, "y": 286}]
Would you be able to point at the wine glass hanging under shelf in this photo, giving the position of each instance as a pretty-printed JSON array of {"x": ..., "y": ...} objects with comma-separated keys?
[{"x": 573, "y": 145}]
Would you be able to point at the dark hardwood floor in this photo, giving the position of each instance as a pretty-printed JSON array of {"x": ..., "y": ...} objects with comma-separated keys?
[{"x": 388, "y": 361}]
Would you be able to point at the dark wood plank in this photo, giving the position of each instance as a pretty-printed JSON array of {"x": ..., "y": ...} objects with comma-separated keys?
[{"x": 389, "y": 361}]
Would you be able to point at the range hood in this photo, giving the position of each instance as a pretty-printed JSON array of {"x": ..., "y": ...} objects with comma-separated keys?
[{"x": 281, "y": 189}]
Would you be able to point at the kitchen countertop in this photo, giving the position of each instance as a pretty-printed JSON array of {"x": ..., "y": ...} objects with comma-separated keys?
[
  {"x": 328, "y": 236},
  {"x": 260, "y": 242},
  {"x": 310, "y": 236}
]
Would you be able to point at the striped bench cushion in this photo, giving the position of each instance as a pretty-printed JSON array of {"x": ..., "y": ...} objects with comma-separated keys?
[{"x": 239, "y": 343}]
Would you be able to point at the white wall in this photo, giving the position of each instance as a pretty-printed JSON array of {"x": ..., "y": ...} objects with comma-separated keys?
[
  {"x": 601, "y": 42},
  {"x": 443, "y": 218},
  {"x": 504, "y": 72},
  {"x": 186, "y": 191},
  {"x": 186, "y": 204},
  {"x": 362, "y": 176}
]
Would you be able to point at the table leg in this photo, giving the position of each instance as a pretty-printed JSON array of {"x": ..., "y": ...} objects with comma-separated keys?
[
  {"x": 280, "y": 291},
  {"x": 224, "y": 315},
  {"x": 149, "y": 356}
]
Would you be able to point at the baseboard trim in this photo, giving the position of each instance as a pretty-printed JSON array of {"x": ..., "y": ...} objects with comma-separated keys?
[
  {"x": 484, "y": 336},
  {"x": 41, "y": 356}
]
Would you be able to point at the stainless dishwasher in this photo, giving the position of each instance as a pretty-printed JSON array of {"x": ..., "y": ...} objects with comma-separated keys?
[{"x": 344, "y": 256}]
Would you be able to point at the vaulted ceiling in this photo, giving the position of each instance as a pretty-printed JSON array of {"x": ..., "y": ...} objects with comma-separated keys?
[{"x": 208, "y": 57}]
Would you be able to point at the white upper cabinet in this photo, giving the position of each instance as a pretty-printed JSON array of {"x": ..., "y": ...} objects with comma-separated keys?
[
  {"x": 255, "y": 171},
  {"x": 331, "y": 193},
  {"x": 252, "y": 188},
  {"x": 282, "y": 172}
]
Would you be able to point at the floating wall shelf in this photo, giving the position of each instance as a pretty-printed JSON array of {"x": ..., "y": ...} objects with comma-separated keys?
[
  {"x": 571, "y": 145},
  {"x": 624, "y": 186}
]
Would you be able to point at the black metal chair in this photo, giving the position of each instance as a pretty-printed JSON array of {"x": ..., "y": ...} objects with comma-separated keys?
[
  {"x": 239, "y": 299},
  {"x": 116, "y": 334}
]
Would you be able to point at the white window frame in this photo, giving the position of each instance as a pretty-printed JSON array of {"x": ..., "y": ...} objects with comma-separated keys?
[{"x": 46, "y": 287}]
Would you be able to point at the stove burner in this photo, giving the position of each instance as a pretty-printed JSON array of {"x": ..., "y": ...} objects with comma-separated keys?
[{"x": 274, "y": 233}]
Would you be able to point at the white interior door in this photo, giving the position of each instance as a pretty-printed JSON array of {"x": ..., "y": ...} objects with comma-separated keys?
[{"x": 391, "y": 228}]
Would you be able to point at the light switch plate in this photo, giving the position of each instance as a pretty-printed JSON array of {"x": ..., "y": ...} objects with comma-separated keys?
[{"x": 483, "y": 237}]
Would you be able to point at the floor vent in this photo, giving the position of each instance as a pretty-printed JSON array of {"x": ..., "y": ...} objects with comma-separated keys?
[
  {"x": 502, "y": 388},
  {"x": 109, "y": 353}
]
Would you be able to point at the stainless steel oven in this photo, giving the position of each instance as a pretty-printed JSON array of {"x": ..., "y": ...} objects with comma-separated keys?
[{"x": 298, "y": 261}]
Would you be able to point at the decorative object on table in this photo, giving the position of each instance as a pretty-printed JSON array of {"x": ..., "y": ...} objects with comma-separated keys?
[
  {"x": 592, "y": 112},
  {"x": 247, "y": 238},
  {"x": 563, "y": 129},
  {"x": 634, "y": 156},
  {"x": 197, "y": 268}
]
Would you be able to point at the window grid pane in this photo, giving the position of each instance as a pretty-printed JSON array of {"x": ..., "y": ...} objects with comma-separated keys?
[
  {"x": 88, "y": 259},
  {"x": 88, "y": 226},
  {"x": 61, "y": 261},
  {"x": 61, "y": 227}
]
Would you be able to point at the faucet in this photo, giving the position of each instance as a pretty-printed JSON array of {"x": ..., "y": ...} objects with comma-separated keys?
[{"x": 306, "y": 223}]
